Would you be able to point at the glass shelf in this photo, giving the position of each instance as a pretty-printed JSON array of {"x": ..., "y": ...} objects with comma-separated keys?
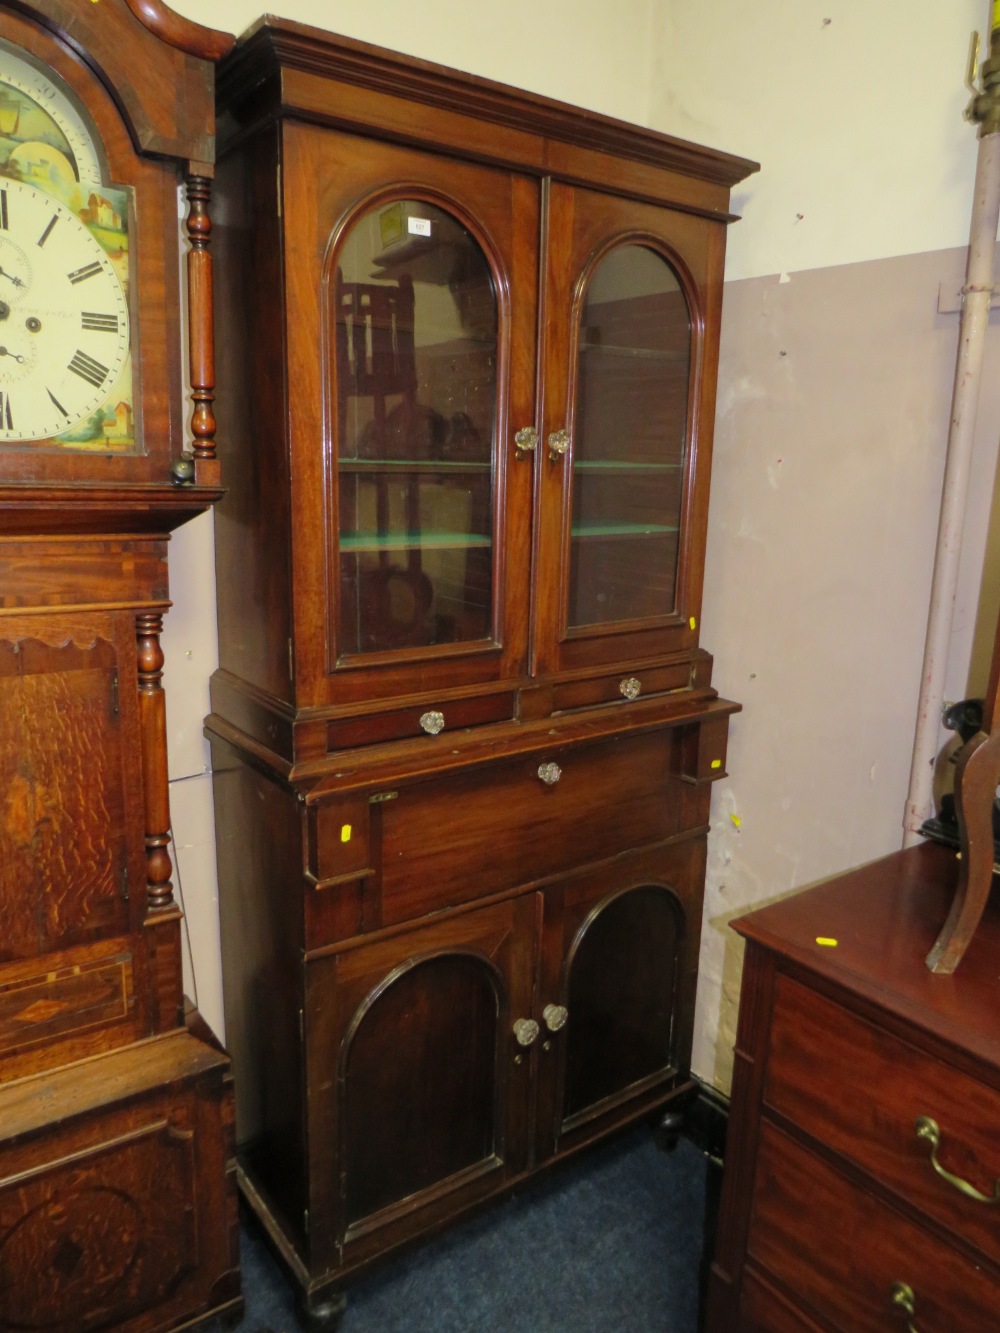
[
  {"x": 679, "y": 358},
  {"x": 367, "y": 466},
  {"x": 351, "y": 542},
  {"x": 585, "y": 531},
  {"x": 615, "y": 465}
]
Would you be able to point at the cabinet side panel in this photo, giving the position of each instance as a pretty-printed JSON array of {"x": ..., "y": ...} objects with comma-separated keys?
[
  {"x": 251, "y": 523},
  {"x": 259, "y": 848}
]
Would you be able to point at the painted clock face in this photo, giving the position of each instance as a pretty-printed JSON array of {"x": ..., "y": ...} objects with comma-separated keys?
[
  {"x": 64, "y": 330},
  {"x": 65, "y": 362}
]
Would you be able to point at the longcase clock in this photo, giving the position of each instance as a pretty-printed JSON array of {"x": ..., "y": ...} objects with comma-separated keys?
[{"x": 116, "y": 1202}]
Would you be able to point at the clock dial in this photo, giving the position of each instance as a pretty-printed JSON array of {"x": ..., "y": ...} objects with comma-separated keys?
[
  {"x": 64, "y": 326},
  {"x": 43, "y": 135}
]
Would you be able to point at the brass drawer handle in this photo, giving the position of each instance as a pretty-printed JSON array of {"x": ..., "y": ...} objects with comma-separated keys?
[
  {"x": 549, "y": 773},
  {"x": 929, "y": 1132},
  {"x": 630, "y": 688},
  {"x": 555, "y": 1016},
  {"x": 902, "y": 1298},
  {"x": 432, "y": 722}
]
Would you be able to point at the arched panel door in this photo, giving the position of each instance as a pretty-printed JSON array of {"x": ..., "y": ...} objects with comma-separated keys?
[
  {"x": 617, "y": 992},
  {"x": 426, "y": 1044},
  {"x": 422, "y": 1105}
]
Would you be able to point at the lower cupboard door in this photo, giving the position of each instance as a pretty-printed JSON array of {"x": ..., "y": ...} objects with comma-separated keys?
[
  {"x": 619, "y": 964},
  {"x": 418, "y": 1088},
  {"x": 848, "y": 1259}
]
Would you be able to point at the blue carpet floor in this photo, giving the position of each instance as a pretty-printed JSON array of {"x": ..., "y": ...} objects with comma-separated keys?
[{"x": 610, "y": 1244}]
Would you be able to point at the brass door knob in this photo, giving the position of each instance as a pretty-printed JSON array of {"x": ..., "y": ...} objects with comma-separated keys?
[
  {"x": 555, "y": 1016},
  {"x": 526, "y": 1031}
]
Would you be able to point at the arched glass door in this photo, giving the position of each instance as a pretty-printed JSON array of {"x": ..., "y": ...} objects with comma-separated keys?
[
  {"x": 630, "y": 430},
  {"x": 416, "y": 345}
]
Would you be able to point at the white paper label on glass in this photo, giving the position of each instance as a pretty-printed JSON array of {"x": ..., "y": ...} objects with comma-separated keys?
[{"x": 418, "y": 226}]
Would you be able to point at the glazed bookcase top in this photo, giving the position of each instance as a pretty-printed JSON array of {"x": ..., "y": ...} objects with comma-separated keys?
[{"x": 273, "y": 50}]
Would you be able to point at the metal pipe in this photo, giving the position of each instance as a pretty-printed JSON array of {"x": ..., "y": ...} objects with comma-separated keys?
[{"x": 976, "y": 293}]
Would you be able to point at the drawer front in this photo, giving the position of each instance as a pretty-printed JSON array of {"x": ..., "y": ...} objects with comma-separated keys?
[
  {"x": 762, "y": 1310},
  {"x": 458, "y": 838},
  {"x": 433, "y": 719},
  {"x": 838, "y": 1252},
  {"x": 622, "y": 687},
  {"x": 861, "y": 1090}
]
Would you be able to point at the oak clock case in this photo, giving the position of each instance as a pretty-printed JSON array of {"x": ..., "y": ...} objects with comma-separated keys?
[
  {"x": 463, "y": 731},
  {"x": 117, "y": 1206}
]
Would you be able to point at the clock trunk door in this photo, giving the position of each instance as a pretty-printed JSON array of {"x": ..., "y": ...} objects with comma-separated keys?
[
  {"x": 626, "y": 435},
  {"x": 415, "y": 276}
]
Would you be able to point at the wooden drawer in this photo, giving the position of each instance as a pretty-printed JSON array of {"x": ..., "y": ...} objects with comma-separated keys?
[
  {"x": 398, "y": 724},
  {"x": 763, "y": 1310},
  {"x": 622, "y": 687},
  {"x": 457, "y": 838},
  {"x": 817, "y": 1046},
  {"x": 837, "y": 1251}
]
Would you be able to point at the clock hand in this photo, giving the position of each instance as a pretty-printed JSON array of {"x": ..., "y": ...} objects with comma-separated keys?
[
  {"x": 15, "y": 355},
  {"x": 18, "y": 282}
]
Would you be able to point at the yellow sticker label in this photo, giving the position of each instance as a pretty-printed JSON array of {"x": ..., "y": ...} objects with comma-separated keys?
[
  {"x": 826, "y": 941},
  {"x": 996, "y": 16},
  {"x": 736, "y": 820},
  {"x": 345, "y": 833},
  {"x": 692, "y": 622},
  {"x": 716, "y": 763}
]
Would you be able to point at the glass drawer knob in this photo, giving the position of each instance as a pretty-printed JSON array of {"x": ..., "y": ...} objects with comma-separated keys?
[
  {"x": 525, "y": 1031},
  {"x": 555, "y": 1016},
  {"x": 630, "y": 688},
  {"x": 432, "y": 723},
  {"x": 558, "y": 444},
  {"x": 526, "y": 440},
  {"x": 549, "y": 773}
]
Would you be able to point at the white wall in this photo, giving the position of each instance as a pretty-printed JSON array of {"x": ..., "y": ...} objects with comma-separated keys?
[
  {"x": 835, "y": 385},
  {"x": 819, "y": 555},
  {"x": 854, "y": 109}
]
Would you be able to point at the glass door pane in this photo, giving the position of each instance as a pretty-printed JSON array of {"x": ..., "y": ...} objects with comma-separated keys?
[
  {"x": 416, "y": 372},
  {"x": 630, "y": 432}
]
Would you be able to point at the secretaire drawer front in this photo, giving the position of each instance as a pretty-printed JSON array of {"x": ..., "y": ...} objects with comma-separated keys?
[
  {"x": 852, "y": 1261},
  {"x": 877, "y": 1100},
  {"x": 460, "y": 837}
]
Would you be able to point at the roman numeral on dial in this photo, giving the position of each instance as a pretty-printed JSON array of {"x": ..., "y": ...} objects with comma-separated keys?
[
  {"x": 99, "y": 323},
  {"x": 88, "y": 369},
  {"x": 48, "y": 230},
  {"x": 6, "y": 419},
  {"x": 3, "y": 210},
  {"x": 88, "y": 271}
]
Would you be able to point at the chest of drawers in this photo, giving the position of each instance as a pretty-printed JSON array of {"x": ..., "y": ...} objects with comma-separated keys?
[{"x": 862, "y": 1186}]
